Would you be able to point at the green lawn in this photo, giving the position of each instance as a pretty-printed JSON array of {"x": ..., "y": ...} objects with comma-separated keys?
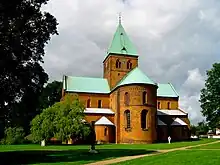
[
  {"x": 66, "y": 154},
  {"x": 186, "y": 157},
  {"x": 210, "y": 146}
]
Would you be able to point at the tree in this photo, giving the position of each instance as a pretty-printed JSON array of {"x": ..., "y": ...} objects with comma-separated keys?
[
  {"x": 210, "y": 96},
  {"x": 63, "y": 120},
  {"x": 42, "y": 126},
  {"x": 193, "y": 130},
  {"x": 51, "y": 94},
  {"x": 202, "y": 128},
  {"x": 14, "y": 135},
  {"x": 24, "y": 32}
]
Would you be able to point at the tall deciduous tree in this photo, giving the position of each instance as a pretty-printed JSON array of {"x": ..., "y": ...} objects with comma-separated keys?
[
  {"x": 210, "y": 96},
  {"x": 24, "y": 32},
  {"x": 51, "y": 94},
  {"x": 63, "y": 120}
]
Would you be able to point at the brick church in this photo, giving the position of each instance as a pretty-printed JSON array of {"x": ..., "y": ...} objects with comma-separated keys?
[{"x": 126, "y": 105}]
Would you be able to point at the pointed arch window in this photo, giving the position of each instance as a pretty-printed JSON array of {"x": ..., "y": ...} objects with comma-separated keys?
[
  {"x": 88, "y": 103},
  {"x": 126, "y": 98},
  {"x": 127, "y": 119},
  {"x": 144, "y": 97},
  {"x": 118, "y": 63},
  {"x": 144, "y": 119},
  {"x": 129, "y": 64},
  {"x": 168, "y": 105}
]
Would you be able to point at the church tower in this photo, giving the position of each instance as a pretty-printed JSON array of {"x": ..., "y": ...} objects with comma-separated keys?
[{"x": 121, "y": 57}]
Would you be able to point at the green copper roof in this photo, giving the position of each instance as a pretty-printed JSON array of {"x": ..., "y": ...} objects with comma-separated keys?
[
  {"x": 166, "y": 90},
  {"x": 86, "y": 84},
  {"x": 136, "y": 76},
  {"x": 121, "y": 43}
]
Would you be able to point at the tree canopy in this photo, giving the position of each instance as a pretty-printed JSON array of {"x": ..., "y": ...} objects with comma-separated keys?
[
  {"x": 63, "y": 120},
  {"x": 210, "y": 96},
  {"x": 50, "y": 94},
  {"x": 24, "y": 31}
]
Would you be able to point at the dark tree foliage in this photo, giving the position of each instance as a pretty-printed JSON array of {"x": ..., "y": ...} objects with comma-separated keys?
[
  {"x": 51, "y": 94},
  {"x": 193, "y": 130},
  {"x": 24, "y": 32},
  {"x": 210, "y": 96},
  {"x": 200, "y": 129}
]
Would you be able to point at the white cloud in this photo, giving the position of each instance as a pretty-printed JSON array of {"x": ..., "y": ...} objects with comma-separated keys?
[
  {"x": 195, "y": 81},
  {"x": 190, "y": 94},
  {"x": 172, "y": 38}
]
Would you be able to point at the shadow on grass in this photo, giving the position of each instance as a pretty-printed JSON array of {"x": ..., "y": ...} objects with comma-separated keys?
[{"x": 80, "y": 156}]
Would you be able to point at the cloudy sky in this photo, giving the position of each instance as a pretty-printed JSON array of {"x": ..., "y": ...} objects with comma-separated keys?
[{"x": 178, "y": 40}]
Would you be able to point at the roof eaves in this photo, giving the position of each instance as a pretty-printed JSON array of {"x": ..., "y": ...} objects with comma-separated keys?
[
  {"x": 167, "y": 96},
  {"x": 89, "y": 92}
]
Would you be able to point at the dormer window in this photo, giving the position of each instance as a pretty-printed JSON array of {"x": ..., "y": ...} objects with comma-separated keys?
[
  {"x": 118, "y": 63},
  {"x": 123, "y": 48}
]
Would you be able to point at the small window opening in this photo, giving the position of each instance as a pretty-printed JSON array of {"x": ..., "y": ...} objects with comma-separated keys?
[
  {"x": 88, "y": 103},
  {"x": 99, "y": 103},
  {"x": 118, "y": 64},
  {"x": 105, "y": 131},
  {"x": 158, "y": 105},
  {"x": 168, "y": 105}
]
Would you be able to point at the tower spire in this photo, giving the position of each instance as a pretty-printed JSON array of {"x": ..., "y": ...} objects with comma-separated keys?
[{"x": 119, "y": 18}]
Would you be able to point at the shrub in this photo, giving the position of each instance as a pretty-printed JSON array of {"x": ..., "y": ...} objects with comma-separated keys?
[{"x": 13, "y": 135}]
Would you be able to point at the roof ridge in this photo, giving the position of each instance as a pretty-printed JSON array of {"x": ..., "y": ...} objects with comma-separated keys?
[
  {"x": 178, "y": 121},
  {"x": 173, "y": 88},
  {"x": 86, "y": 77}
]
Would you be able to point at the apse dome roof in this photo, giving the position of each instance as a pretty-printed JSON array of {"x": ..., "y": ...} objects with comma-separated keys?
[{"x": 136, "y": 76}]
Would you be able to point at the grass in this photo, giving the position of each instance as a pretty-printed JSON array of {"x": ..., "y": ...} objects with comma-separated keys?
[
  {"x": 210, "y": 146},
  {"x": 78, "y": 154},
  {"x": 156, "y": 146},
  {"x": 185, "y": 157}
]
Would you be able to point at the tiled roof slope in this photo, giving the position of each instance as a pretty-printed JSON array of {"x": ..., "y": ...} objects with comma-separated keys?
[
  {"x": 100, "y": 85},
  {"x": 121, "y": 44},
  {"x": 86, "y": 84},
  {"x": 166, "y": 90},
  {"x": 136, "y": 76}
]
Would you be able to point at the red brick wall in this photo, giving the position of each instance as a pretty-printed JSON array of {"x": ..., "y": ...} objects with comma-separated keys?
[
  {"x": 113, "y": 74},
  {"x": 164, "y": 102},
  {"x": 135, "y": 134},
  {"x": 101, "y": 136}
]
